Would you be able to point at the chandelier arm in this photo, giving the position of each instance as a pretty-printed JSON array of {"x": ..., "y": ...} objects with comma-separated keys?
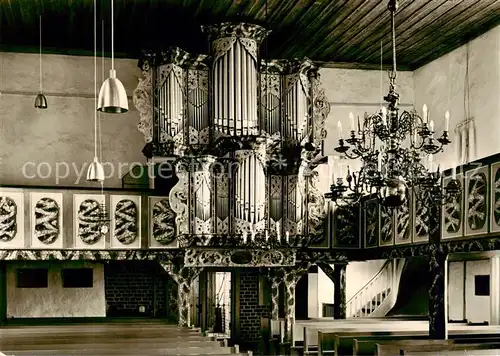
[{"x": 356, "y": 156}]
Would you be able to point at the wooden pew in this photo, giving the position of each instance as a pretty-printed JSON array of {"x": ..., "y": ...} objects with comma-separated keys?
[
  {"x": 341, "y": 342},
  {"x": 445, "y": 349},
  {"x": 365, "y": 345},
  {"x": 411, "y": 348}
]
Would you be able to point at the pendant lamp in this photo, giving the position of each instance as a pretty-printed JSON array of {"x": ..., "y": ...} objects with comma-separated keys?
[
  {"x": 41, "y": 100},
  {"x": 95, "y": 173},
  {"x": 112, "y": 96}
]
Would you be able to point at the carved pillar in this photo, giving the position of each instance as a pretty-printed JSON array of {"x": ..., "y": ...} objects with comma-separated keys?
[
  {"x": 184, "y": 276},
  {"x": 438, "y": 318},
  {"x": 3, "y": 293},
  {"x": 275, "y": 300},
  {"x": 339, "y": 293},
  {"x": 290, "y": 284},
  {"x": 203, "y": 301},
  {"x": 291, "y": 277}
]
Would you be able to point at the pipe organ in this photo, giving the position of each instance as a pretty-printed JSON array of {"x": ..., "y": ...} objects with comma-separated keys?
[{"x": 246, "y": 133}]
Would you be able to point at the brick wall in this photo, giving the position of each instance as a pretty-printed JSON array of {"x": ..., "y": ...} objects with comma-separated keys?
[
  {"x": 131, "y": 284},
  {"x": 250, "y": 310}
]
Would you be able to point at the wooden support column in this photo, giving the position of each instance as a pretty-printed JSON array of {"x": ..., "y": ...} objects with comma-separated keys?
[
  {"x": 235, "y": 306},
  {"x": 203, "y": 299},
  {"x": 275, "y": 297},
  {"x": 3, "y": 293},
  {"x": 495, "y": 290},
  {"x": 438, "y": 259},
  {"x": 339, "y": 292},
  {"x": 292, "y": 276},
  {"x": 184, "y": 276}
]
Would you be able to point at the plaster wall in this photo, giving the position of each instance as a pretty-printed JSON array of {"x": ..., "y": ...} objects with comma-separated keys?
[
  {"x": 55, "y": 301},
  {"x": 456, "y": 296},
  {"x": 477, "y": 308},
  {"x": 441, "y": 85},
  {"x": 313, "y": 307},
  {"x": 358, "y": 91},
  {"x": 62, "y": 136}
]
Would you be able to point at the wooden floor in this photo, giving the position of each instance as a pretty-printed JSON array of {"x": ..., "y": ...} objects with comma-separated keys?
[{"x": 132, "y": 337}]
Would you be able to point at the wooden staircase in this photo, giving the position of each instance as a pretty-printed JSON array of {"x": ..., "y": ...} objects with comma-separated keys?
[
  {"x": 378, "y": 296},
  {"x": 148, "y": 338}
]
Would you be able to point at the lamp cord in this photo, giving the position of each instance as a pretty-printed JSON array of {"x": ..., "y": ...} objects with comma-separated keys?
[
  {"x": 102, "y": 74},
  {"x": 466, "y": 91},
  {"x": 112, "y": 37},
  {"x": 95, "y": 78},
  {"x": 393, "y": 30},
  {"x": 381, "y": 74},
  {"x": 40, "y": 28}
]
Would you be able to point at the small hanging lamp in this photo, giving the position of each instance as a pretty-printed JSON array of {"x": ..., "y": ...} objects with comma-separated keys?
[
  {"x": 41, "y": 100},
  {"x": 95, "y": 173},
  {"x": 112, "y": 96}
]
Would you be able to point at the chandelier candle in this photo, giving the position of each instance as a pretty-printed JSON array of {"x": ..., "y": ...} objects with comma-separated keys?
[
  {"x": 447, "y": 121},
  {"x": 339, "y": 126},
  {"x": 424, "y": 111},
  {"x": 351, "y": 119}
]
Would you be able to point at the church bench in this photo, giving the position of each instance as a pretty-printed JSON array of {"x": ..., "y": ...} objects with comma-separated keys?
[
  {"x": 365, "y": 345},
  {"x": 445, "y": 349},
  {"x": 309, "y": 331},
  {"x": 112, "y": 351},
  {"x": 92, "y": 343},
  {"x": 341, "y": 342},
  {"x": 368, "y": 346}
]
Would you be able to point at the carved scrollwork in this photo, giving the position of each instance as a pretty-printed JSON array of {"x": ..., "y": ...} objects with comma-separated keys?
[
  {"x": 345, "y": 227},
  {"x": 317, "y": 210},
  {"x": 126, "y": 221},
  {"x": 476, "y": 211},
  {"x": 496, "y": 197},
  {"x": 8, "y": 219},
  {"x": 452, "y": 212},
  {"x": 163, "y": 222},
  {"x": 386, "y": 225},
  {"x": 238, "y": 258},
  {"x": 321, "y": 110},
  {"x": 93, "y": 255},
  {"x": 89, "y": 227},
  {"x": 371, "y": 223},
  {"x": 178, "y": 198},
  {"x": 403, "y": 222},
  {"x": 142, "y": 98}
]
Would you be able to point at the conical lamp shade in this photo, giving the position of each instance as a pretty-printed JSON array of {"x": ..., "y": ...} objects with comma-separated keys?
[
  {"x": 112, "y": 96},
  {"x": 95, "y": 172},
  {"x": 41, "y": 101}
]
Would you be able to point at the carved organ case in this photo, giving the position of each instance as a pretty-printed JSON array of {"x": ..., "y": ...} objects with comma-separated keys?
[{"x": 246, "y": 133}]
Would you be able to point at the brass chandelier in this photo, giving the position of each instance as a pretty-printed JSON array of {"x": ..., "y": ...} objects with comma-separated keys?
[{"x": 396, "y": 152}]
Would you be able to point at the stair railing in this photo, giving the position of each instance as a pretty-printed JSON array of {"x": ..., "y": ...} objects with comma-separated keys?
[{"x": 372, "y": 294}]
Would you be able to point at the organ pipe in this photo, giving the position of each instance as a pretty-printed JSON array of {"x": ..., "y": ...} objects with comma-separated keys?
[{"x": 223, "y": 110}]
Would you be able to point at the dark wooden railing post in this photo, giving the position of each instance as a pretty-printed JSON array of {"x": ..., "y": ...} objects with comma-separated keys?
[{"x": 339, "y": 293}]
